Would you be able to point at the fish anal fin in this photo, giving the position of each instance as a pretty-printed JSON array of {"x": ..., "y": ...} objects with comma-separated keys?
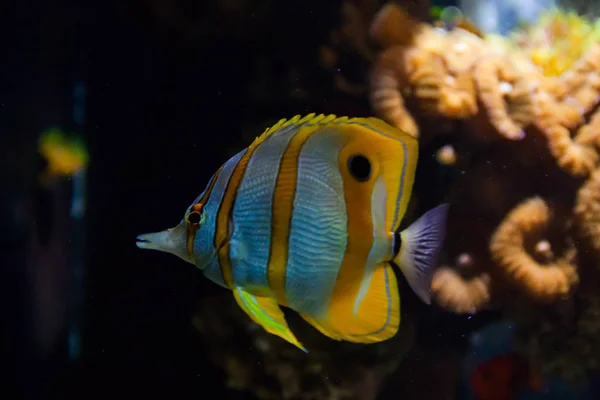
[
  {"x": 265, "y": 312},
  {"x": 376, "y": 319},
  {"x": 321, "y": 327}
]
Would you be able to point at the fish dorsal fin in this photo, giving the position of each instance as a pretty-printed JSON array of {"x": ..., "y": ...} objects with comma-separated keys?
[{"x": 286, "y": 125}]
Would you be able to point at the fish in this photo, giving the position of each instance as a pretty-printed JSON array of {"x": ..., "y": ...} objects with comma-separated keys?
[
  {"x": 64, "y": 155},
  {"x": 504, "y": 377},
  {"x": 308, "y": 217}
]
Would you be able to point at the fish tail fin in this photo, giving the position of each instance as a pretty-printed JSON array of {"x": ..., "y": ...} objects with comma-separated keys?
[{"x": 420, "y": 245}]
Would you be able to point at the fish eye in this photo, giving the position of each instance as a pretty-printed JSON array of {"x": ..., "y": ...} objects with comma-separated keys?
[
  {"x": 193, "y": 218},
  {"x": 359, "y": 167}
]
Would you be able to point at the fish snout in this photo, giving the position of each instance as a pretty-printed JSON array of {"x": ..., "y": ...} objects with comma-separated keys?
[
  {"x": 142, "y": 241},
  {"x": 169, "y": 241}
]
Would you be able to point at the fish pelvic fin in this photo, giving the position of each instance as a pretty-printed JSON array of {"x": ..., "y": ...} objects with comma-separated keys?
[
  {"x": 376, "y": 319},
  {"x": 419, "y": 246},
  {"x": 266, "y": 312}
]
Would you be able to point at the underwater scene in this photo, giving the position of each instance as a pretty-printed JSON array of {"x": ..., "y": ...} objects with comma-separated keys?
[{"x": 329, "y": 200}]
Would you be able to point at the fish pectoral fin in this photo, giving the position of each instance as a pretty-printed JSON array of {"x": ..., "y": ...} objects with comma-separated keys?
[
  {"x": 266, "y": 312},
  {"x": 377, "y": 317}
]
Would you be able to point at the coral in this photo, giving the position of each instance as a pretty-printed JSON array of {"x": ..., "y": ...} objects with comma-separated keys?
[
  {"x": 587, "y": 212},
  {"x": 529, "y": 222},
  {"x": 524, "y": 123},
  {"x": 461, "y": 294},
  {"x": 505, "y": 93},
  {"x": 562, "y": 110},
  {"x": 427, "y": 65},
  {"x": 582, "y": 82},
  {"x": 574, "y": 155},
  {"x": 462, "y": 284},
  {"x": 386, "y": 98},
  {"x": 444, "y": 73},
  {"x": 557, "y": 40}
]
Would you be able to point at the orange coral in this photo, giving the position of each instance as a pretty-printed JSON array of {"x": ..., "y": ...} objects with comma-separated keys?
[
  {"x": 589, "y": 134},
  {"x": 561, "y": 106},
  {"x": 505, "y": 93},
  {"x": 530, "y": 220},
  {"x": 442, "y": 85},
  {"x": 582, "y": 82},
  {"x": 445, "y": 72},
  {"x": 387, "y": 83},
  {"x": 430, "y": 78},
  {"x": 386, "y": 32},
  {"x": 462, "y": 284},
  {"x": 587, "y": 211},
  {"x": 574, "y": 155},
  {"x": 427, "y": 64},
  {"x": 460, "y": 294}
]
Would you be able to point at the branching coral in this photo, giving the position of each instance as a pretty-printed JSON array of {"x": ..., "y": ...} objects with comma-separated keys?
[
  {"x": 576, "y": 156},
  {"x": 562, "y": 105},
  {"x": 445, "y": 72},
  {"x": 581, "y": 84},
  {"x": 388, "y": 77},
  {"x": 542, "y": 86},
  {"x": 505, "y": 93},
  {"x": 557, "y": 40},
  {"x": 587, "y": 212},
  {"x": 429, "y": 66}
]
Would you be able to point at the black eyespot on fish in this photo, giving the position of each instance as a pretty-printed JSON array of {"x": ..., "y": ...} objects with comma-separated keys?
[
  {"x": 193, "y": 218},
  {"x": 359, "y": 167}
]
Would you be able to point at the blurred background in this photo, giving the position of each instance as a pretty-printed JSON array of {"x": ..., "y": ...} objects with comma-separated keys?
[{"x": 115, "y": 114}]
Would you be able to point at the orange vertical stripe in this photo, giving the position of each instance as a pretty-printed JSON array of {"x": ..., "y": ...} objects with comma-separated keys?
[
  {"x": 283, "y": 207},
  {"x": 357, "y": 196},
  {"x": 222, "y": 232},
  {"x": 223, "y": 225}
]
